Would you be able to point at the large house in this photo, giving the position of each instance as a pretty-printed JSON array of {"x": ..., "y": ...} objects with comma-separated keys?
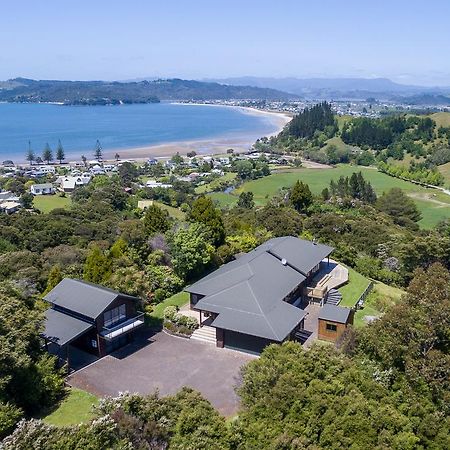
[
  {"x": 260, "y": 297},
  {"x": 92, "y": 318}
]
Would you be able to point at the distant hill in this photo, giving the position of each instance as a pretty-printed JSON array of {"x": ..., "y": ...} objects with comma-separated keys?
[
  {"x": 428, "y": 100},
  {"x": 103, "y": 92},
  {"x": 335, "y": 88}
]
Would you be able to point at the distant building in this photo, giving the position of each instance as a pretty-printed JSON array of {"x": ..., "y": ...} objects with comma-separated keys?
[
  {"x": 154, "y": 184},
  {"x": 69, "y": 184},
  {"x": 42, "y": 189},
  {"x": 10, "y": 207}
]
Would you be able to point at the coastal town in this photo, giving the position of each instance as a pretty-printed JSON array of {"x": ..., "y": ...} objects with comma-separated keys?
[{"x": 225, "y": 226}]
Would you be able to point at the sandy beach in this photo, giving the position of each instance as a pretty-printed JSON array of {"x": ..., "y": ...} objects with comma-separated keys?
[{"x": 212, "y": 146}]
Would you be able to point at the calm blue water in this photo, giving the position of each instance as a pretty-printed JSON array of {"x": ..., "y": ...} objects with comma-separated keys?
[{"x": 117, "y": 127}]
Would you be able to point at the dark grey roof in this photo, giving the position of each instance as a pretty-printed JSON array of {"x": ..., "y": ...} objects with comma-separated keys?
[
  {"x": 334, "y": 313},
  {"x": 61, "y": 328},
  {"x": 84, "y": 298},
  {"x": 300, "y": 254},
  {"x": 248, "y": 293}
]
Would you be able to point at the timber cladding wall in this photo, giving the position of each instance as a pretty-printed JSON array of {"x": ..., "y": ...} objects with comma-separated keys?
[{"x": 329, "y": 330}]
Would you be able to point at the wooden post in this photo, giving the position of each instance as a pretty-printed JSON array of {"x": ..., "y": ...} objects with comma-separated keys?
[{"x": 200, "y": 317}]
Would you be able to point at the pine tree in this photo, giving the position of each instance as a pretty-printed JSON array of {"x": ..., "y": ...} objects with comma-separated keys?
[
  {"x": 30, "y": 154},
  {"x": 60, "y": 156},
  {"x": 98, "y": 151},
  {"x": 47, "y": 154}
]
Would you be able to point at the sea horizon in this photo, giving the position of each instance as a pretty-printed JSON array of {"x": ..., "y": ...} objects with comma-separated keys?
[{"x": 134, "y": 131}]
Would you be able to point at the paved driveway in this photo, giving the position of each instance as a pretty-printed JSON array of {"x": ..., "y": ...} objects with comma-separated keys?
[{"x": 167, "y": 363}]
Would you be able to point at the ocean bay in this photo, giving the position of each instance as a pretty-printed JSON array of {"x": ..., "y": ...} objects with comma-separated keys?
[{"x": 124, "y": 127}]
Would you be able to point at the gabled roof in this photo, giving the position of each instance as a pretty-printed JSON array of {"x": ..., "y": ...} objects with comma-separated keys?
[
  {"x": 62, "y": 329},
  {"x": 248, "y": 293},
  {"x": 43, "y": 186},
  {"x": 334, "y": 313},
  {"x": 81, "y": 297}
]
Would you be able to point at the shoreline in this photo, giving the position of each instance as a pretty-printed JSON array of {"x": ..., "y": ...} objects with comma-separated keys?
[
  {"x": 216, "y": 145},
  {"x": 207, "y": 146}
]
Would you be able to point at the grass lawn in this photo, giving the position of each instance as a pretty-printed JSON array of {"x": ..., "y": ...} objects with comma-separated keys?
[
  {"x": 317, "y": 179},
  {"x": 46, "y": 203},
  {"x": 351, "y": 291},
  {"x": 173, "y": 212},
  {"x": 388, "y": 294},
  {"x": 179, "y": 299},
  {"x": 224, "y": 200},
  {"x": 209, "y": 187},
  {"x": 75, "y": 408}
]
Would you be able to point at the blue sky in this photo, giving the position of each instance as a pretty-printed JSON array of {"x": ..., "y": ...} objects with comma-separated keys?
[{"x": 407, "y": 41}]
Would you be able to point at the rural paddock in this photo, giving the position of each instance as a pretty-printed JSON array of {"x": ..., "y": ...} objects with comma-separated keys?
[{"x": 167, "y": 363}]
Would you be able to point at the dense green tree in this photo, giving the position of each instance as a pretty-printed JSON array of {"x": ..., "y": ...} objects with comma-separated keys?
[
  {"x": 128, "y": 174},
  {"x": 97, "y": 267},
  {"x": 246, "y": 200},
  {"x": 300, "y": 196},
  {"x": 311, "y": 120},
  {"x": 190, "y": 249},
  {"x": 54, "y": 277},
  {"x": 203, "y": 211},
  {"x": 399, "y": 206},
  {"x": 156, "y": 220},
  {"x": 26, "y": 200},
  {"x": 30, "y": 156}
]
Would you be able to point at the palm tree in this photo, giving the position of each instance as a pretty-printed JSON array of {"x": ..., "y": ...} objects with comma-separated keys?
[{"x": 117, "y": 156}]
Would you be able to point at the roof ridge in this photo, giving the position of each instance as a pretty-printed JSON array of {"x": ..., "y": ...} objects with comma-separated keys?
[{"x": 262, "y": 312}]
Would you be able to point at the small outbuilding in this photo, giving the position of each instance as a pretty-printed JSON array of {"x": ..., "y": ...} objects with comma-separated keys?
[{"x": 333, "y": 321}]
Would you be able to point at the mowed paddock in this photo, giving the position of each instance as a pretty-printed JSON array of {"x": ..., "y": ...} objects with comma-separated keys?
[{"x": 433, "y": 204}]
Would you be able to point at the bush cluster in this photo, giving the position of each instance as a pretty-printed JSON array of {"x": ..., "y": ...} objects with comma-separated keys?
[{"x": 178, "y": 323}]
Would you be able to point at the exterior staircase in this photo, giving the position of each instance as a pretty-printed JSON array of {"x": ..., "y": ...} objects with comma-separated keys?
[
  {"x": 205, "y": 334},
  {"x": 334, "y": 297}
]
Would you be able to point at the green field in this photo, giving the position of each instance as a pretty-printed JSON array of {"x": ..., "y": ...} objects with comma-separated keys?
[
  {"x": 46, "y": 203},
  {"x": 210, "y": 187},
  {"x": 434, "y": 205},
  {"x": 389, "y": 295},
  {"x": 173, "y": 212},
  {"x": 75, "y": 408}
]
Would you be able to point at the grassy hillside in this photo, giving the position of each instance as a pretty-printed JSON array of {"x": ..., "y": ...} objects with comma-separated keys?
[
  {"x": 442, "y": 119},
  {"x": 433, "y": 204},
  {"x": 445, "y": 170}
]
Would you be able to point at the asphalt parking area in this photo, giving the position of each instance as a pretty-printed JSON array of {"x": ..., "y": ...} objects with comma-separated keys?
[{"x": 167, "y": 363}]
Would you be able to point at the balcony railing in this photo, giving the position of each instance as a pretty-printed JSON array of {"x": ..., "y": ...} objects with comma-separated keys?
[{"x": 123, "y": 327}]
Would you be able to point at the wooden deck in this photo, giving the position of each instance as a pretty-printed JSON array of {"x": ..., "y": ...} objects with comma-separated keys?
[{"x": 330, "y": 276}]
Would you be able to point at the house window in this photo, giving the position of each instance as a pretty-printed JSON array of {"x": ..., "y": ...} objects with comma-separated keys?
[
  {"x": 114, "y": 315},
  {"x": 331, "y": 327}
]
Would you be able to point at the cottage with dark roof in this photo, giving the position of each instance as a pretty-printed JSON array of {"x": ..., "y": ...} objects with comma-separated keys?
[
  {"x": 90, "y": 317},
  {"x": 333, "y": 321},
  {"x": 260, "y": 297}
]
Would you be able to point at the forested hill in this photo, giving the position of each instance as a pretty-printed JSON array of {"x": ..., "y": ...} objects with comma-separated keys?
[{"x": 103, "y": 92}]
